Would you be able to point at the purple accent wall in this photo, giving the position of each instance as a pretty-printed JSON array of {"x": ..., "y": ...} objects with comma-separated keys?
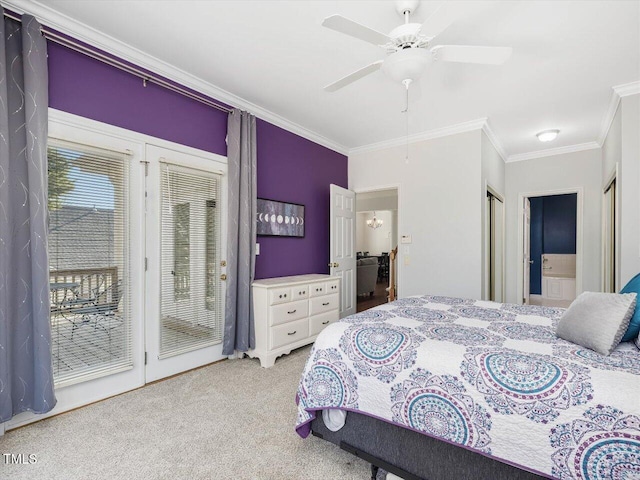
[
  {"x": 92, "y": 89},
  {"x": 293, "y": 169},
  {"x": 290, "y": 168}
]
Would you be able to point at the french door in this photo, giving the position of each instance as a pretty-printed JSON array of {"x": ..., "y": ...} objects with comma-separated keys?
[{"x": 185, "y": 247}]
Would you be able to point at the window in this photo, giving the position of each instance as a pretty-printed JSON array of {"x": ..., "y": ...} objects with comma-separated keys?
[{"x": 88, "y": 261}]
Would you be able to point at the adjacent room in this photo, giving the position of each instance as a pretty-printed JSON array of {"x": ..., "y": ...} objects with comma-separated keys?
[{"x": 260, "y": 239}]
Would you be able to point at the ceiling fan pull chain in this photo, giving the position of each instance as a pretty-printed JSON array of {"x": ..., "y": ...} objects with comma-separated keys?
[{"x": 407, "y": 83}]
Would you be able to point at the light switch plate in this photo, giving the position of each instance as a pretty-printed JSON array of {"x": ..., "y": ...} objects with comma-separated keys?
[{"x": 257, "y": 249}]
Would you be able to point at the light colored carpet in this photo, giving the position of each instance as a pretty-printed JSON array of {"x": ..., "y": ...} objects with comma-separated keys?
[{"x": 232, "y": 420}]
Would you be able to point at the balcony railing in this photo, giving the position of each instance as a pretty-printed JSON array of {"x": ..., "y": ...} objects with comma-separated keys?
[{"x": 81, "y": 283}]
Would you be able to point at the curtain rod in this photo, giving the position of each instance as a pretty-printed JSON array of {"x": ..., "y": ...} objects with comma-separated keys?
[{"x": 146, "y": 77}]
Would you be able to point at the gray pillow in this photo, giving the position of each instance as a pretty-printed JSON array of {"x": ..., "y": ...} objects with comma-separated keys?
[{"x": 597, "y": 320}]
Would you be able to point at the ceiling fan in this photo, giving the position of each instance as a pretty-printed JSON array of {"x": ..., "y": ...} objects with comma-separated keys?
[{"x": 411, "y": 46}]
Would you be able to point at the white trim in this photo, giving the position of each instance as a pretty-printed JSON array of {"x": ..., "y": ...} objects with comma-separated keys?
[
  {"x": 493, "y": 138},
  {"x": 422, "y": 136},
  {"x": 87, "y": 124},
  {"x": 93, "y": 37},
  {"x": 632, "y": 88},
  {"x": 553, "y": 151},
  {"x": 579, "y": 235},
  {"x": 607, "y": 120},
  {"x": 617, "y": 93}
]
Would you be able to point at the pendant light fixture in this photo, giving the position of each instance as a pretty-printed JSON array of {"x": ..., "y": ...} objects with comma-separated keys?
[{"x": 374, "y": 222}]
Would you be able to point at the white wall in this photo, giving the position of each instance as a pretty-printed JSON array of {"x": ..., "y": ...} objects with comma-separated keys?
[
  {"x": 612, "y": 157},
  {"x": 374, "y": 241},
  {"x": 630, "y": 189},
  {"x": 369, "y": 201},
  {"x": 559, "y": 172},
  {"x": 612, "y": 147},
  {"x": 438, "y": 205}
]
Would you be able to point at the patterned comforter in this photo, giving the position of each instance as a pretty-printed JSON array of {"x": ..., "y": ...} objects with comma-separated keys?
[{"x": 490, "y": 377}]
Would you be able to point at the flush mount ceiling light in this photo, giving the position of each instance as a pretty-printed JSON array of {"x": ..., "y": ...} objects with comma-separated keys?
[
  {"x": 547, "y": 135},
  {"x": 374, "y": 222}
]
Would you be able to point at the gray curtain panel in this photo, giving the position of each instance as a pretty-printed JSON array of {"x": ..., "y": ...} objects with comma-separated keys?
[
  {"x": 239, "y": 333},
  {"x": 26, "y": 373}
]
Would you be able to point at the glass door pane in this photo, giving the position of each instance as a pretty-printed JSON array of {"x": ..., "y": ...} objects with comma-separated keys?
[
  {"x": 191, "y": 317},
  {"x": 88, "y": 259}
]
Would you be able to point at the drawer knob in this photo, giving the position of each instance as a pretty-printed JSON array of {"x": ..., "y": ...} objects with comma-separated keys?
[
  {"x": 292, "y": 311},
  {"x": 280, "y": 296},
  {"x": 292, "y": 333},
  {"x": 324, "y": 323},
  {"x": 285, "y": 295},
  {"x": 325, "y": 304}
]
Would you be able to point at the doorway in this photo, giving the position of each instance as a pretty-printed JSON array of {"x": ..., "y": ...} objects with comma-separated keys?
[
  {"x": 494, "y": 247},
  {"x": 376, "y": 238},
  {"x": 119, "y": 234},
  {"x": 550, "y": 249},
  {"x": 610, "y": 236}
]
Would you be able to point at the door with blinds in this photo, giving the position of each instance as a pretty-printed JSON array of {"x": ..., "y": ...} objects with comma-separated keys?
[{"x": 185, "y": 261}]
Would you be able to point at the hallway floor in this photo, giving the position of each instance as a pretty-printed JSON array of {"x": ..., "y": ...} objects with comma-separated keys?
[{"x": 365, "y": 302}]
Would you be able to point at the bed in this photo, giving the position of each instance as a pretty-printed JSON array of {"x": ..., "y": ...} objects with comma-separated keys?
[{"x": 440, "y": 387}]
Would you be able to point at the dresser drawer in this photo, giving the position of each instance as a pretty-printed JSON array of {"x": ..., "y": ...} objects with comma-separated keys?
[
  {"x": 279, "y": 295},
  {"x": 289, "y": 333},
  {"x": 288, "y": 312},
  {"x": 318, "y": 322},
  {"x": 324, "y": 304},
  {"x": 333, "y": 286},
  {"x": 316, "y": 289},
  {"x": 300, "y": 292}
]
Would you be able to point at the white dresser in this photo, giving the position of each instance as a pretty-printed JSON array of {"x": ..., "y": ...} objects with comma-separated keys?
[{"x": 290, "y": 312}]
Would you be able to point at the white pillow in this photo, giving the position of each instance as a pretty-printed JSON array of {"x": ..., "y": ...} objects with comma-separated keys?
[{"x": 597, "y": 320}]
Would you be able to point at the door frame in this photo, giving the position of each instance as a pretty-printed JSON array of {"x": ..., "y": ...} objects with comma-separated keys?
[
  {"x": 487, "y": 243},
  {"x": 614, "y": 175},
  {"x": 83, "y": 130},
  {"x": 579, "y": 191},
  {"x": 397, "y": 188}
]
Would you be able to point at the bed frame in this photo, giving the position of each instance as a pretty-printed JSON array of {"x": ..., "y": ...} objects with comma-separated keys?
[{"x": 411, "y": 455}]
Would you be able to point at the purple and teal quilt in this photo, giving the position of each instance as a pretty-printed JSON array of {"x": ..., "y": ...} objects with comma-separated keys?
[{"x": 487, "y": 376}]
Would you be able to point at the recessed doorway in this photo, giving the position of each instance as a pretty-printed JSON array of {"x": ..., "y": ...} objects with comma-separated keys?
[{"x": 376, "y": 239}]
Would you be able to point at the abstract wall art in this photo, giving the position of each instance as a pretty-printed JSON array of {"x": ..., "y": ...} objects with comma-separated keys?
[{"x": 280, "y": 219}]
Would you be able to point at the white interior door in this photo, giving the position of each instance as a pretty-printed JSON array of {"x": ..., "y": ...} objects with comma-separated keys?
[
  {"x": 526, "y": 253},
  {"x": 342, "y": 256},
  {"x": 186, "y": 234}
]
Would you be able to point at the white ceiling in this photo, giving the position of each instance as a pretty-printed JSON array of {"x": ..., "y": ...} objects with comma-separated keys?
[{"x": 567, "y": 56}]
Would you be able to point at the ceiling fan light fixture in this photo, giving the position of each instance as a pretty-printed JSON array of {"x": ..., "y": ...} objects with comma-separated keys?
[
  {"x": 547, "y": 135},
  {"x": 407, "y": 64}
]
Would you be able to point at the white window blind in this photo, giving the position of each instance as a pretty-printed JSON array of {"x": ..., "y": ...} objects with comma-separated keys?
[
  {"x": 191, "y": 314},
  {"x": 88, "y": 261}
]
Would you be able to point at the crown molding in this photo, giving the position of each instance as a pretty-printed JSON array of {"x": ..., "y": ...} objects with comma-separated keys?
[
  {"x": 549, "y": 152},
  {"x": 607, "y": 120},
  {"x": 493, "y": 138},
  {"x": 422, "y": 136},
  {"x": 627, "y": 89},
  {"x": 66, "y": 25},
  {"x": 617, "y": 93}
]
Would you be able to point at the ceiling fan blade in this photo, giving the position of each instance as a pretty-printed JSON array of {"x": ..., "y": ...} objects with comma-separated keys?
[
  {"x": 472, "y": 54},
  {"x": 352, "y": 77},
  {"x": 439, "y": 20},
  {"x": 353, "y": 29}
]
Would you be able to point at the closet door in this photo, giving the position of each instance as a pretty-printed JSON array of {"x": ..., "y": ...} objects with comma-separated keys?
[{"x": 185, "y": 249}]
